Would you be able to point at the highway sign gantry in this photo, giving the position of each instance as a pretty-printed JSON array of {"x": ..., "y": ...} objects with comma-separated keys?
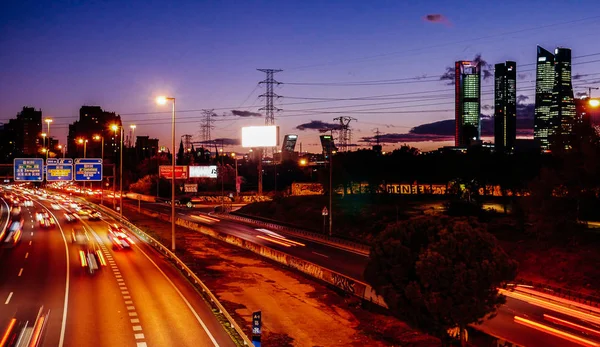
[
  {"x": 28, "y": 169},
  {"x": 59, "y": 169},
  {"x": 88, "y": 169}
]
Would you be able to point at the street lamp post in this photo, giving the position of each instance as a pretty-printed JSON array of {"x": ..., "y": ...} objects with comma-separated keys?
[
  {"x": 237, "y": 193},
  {"x": 84, "y": 142},
  {"x": 48, "y": 121},
  {"x": 44, "y": 140},
  {"x": 331, "y": 186},
  {"x": 115, "y": 127},
  {"x": 98, "y": 137},
  {"x": 162, "y": 100},
  {"x": 132, "y": 127}
]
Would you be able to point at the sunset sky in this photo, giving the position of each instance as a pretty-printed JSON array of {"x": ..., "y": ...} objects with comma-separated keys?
[{"x": 387, "y": 56}]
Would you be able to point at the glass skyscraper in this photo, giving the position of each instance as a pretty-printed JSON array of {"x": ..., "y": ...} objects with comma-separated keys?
[
  {"x": 505, "y": 106},
  {"x": 563, "y": 104},
  {"x": 467, "y": 84},
  {"x": 544, "y": 125}
]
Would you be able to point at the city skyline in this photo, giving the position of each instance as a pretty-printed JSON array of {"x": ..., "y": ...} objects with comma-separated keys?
[{"x": 394, "y": 84}]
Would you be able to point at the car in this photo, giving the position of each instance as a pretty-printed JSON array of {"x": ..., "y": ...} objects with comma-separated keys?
[
  {"x": 47, "y": 222},
  {"x": 41, "y": 214},
  {"x": 28, "y": 203},
  {"x": 13, "y": 234},
  {"x": 55, "y": 207},
  {"x": 119, "y": 237},
  {"x": 94, "y": 215},
  {"x": 80, "y": 236},
  {"x": 71, "y": 217}
]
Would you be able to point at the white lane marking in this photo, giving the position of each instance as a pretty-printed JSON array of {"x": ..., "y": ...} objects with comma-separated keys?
[
  {"x": 137, "y": 328},
  {"x": 124, "y": 292},
  {"x": 63, "y": 326},
  {"x": 134, "y": 320},
  {"x": 32, "y": 233},
  {"x": 128, "y": 302},
  {"x": 212, "y": 338},
  {"x": 8, "y": 299},
  {"x": 322, "y": 255},
  {"x": 30, "y": 242},
  {"x": 130, "y": 308},
  {"x": 20, "y": 272},
  {"x": 126, "y": 297},
  {"x": 118, "y": 276},
  {"x": 26, "y": 255},
  {"x": 132, "y": 314}
]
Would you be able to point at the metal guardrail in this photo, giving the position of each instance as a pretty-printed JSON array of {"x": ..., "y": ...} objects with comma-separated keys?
[
  {"x": 155, "y": 243},
  {"x": 332, "y": 241},
  {"x": 563, "y": 293}
]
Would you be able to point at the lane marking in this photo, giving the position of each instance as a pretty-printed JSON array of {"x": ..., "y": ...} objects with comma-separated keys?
[
  {"x": 137, "y": 328},
  {"x": 132, "y": 314},
  {"x": 20, "y": 272},
  {"x": 32, "y": 233},
  {"x": 212, "y": 338},
  {"x": 128, "y": 302},
  {"x": 63, "y": 326},
  {"x": 26, "y": 255},
  {"x": 126, "y": 297},
  {"x": 134, "y": 320},
  {"x": 8, "y": 299},
  {"x": 124, "y": 292},
  {"x": 130, "y": 308},
  {"x": 322, "y": 255},
  {"x": 30, "y": 242}
]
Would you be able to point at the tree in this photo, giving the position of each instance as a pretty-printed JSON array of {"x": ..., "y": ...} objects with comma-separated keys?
[{"x": 439, "y": 273}]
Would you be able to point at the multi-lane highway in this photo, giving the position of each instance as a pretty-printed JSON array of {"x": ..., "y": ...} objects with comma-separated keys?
[
  {"x": 526, "y": 319},
  {"x": 135, "y": 299}
]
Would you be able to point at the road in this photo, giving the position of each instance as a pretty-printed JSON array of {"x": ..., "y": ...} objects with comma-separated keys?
[
  {"x": 539, "y": 322},
  {"x": 137, "y": 299}
]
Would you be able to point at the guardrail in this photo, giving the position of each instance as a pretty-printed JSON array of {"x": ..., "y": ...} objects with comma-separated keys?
[
  {"x": 155, "y": 243},
  {"x": 303, "y": 234},
  {"x": 563, "y": 293}
]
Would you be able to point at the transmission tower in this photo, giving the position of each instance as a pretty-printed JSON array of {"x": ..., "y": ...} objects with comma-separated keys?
[
  {"x": 187, "y": 142},
  {"x": 206, "y": 124},
  {"x": 345, "y": 137},
  {"x": 269, "y": 96}
]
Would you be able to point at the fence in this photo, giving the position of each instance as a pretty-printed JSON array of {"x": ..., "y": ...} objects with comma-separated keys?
[{"x": 186, "y": 270}]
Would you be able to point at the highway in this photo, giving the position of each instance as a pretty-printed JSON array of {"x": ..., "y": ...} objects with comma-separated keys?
[
  {"x": 136, "y": 299},
  {"x": 540, "y": 321}
]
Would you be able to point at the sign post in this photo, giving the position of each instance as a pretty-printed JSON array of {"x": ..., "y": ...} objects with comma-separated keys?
[
  {"x": 325, "y": 213},
  {"x": 59, "y": 169},
  {"x": 88, "y": 169},
  {"x": 256, "y": 328},
  {"x": 28, "y": 170}
]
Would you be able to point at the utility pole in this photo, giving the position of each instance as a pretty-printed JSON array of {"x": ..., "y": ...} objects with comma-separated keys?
[
  {"x": 345, "y": 137},
  {"x": 269, "y": 109},
  {"x": 330, "y": 150},
  {"x": 590, "y": 91}
]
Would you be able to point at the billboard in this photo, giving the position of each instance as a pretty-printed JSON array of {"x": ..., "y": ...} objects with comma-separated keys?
[
  {"x": 28, "y": 169},
  {"x": 260, "y": 136},
  {"x": 209, "y": 171},
  {"x": 181, "y": 172}
]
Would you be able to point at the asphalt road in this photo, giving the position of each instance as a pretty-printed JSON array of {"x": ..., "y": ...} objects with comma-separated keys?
[
  {"x": 504, "y": 325},
  {"x": 137, "y": 299}
]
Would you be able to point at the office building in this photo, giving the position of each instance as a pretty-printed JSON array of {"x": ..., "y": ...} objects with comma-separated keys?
[
  {"x": 467, "y": 102},
  {"x": 505, "y": 106},
  {"x": 21, "y": 136},
  {"x": 93, "y": 120},
  {"x": 544, "y": 124},
  {"x": 563, "y": 104},
  {"x": 145, "y": 147}
]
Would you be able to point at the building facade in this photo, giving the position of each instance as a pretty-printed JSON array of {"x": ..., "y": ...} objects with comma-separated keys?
[
  {"x": 467, "y": 102},
  {"x": 505, "y": 106},
  {"x": 145, "y": 147},
  {"x": 544, "y": 125},
  {"x": 563, "y": 104},
  {"x": 94, "y": 121},
  {"x": 21, "y": 136}
]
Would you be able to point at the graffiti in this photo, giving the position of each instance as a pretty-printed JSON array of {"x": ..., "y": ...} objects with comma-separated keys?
[
  {"x": 306, "y": 267},
  {"x": 343, "y": 282}
]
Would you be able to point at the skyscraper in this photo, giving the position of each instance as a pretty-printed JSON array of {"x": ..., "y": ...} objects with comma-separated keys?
[
  {"x": 563, "y": 104},
  {"x": 467, "y": 85},
  {"x": 505, "y": 106},
  {"x": 544, "y": 125}
]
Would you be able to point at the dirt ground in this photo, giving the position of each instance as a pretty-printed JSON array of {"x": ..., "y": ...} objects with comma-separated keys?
[{"x": 297, "y": 311}]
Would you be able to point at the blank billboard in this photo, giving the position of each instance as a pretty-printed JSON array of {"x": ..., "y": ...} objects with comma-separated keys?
[{"x": 260, "y": 136}]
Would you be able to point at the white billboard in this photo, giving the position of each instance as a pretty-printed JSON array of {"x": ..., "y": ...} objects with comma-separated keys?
[
  {"x": 260, "y": 136},
  {"x": 209, "y": 171}
]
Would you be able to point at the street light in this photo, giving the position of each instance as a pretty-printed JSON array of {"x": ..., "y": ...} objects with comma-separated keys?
[
  {"x": 48, "y": 121},
  {"x": 162, "y": 100},
  {"x": 132, "y": 127},
  {"x": 61, "y": 147},
  {"x": 44, "y": 140},
  {"x": 594, "y": 102},
  {"x": 116, "y": 127},
  {"x": 237, "y": 191},
  {"x": 97, "y": 138},
  {"x": 84, "y": 143}
]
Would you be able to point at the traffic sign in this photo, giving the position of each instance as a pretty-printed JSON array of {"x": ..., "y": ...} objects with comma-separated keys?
[
  {"x": 325, "y": 212},
  {"x": 59, "y": 169},
  {"x": 256, "y": 328},
  {"x": 88, "y": 169},
  {"x": 28, "y": 169}
]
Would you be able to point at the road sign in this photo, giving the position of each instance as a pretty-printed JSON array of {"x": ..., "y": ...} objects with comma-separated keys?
[
  {"x": 325, "y": 212},
  {"x": 166, "y": 171},
  {"x": 191, "y": 188},
  {"x": 88, "y": 169},
  {"x": 59, "y": 169},
  {"x": 28, "y": 169},
  {"x": 256, "y": 328}
]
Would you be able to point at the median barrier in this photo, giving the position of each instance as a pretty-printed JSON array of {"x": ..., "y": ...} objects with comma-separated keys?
[
  {"x": 218, "y": 307},
  {"x": 303, "y": 234}
]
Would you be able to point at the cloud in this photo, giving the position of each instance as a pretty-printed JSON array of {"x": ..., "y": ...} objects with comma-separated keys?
[
  {"x": 522, "y": 76},
  {"x": 486, "y": 70},
  {"x": 401, "y": 138},
  {"x": 245, "y": 113},
  {"x": 577, "y": 76},
  {"x": 318, "y": 125},
  {"x": 225, "y": 141},
  {"x": 437, "y": 18},
  {"x": 521, "y": 98},
  {"x": 581, "y": 94},
  {"x": 487, "y": 107}
]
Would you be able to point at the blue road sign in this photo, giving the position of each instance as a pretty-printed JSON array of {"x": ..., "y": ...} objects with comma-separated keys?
[
  {"x": 256, "y": 328},
  {"x": 28, "y": 169},
  {"x": 88, "y": 169},
  {"x": 59, "y": 169}
]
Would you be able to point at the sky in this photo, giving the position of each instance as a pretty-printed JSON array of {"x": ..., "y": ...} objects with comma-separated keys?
[{"x": 385, "y": 56}]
